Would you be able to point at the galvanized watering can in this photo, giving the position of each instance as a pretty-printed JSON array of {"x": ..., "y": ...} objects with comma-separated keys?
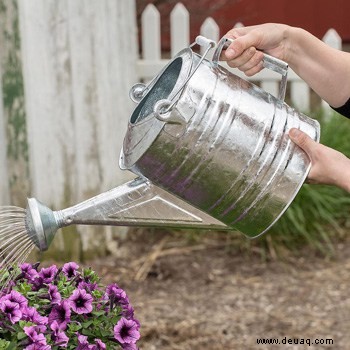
[{"x": 210, "y": 149}]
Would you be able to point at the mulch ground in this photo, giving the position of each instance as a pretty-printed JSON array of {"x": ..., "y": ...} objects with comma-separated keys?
[{"x": 207, "y": 294}]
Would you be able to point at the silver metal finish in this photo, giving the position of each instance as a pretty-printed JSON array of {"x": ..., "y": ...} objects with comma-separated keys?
[
  {"x": 136, "y": 203},
  {"x": 233, "y": 159},
  {"x": 211, "y": 149}
]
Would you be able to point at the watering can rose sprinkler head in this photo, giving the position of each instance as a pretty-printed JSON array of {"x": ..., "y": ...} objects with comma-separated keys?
[{"x": 41, "y": 224}]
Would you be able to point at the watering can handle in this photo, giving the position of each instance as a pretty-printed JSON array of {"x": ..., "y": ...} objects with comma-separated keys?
[{"x": 269, "y": 62}]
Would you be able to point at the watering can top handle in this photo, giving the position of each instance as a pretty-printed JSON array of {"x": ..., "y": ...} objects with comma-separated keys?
[{"x": 269, "y": 62}]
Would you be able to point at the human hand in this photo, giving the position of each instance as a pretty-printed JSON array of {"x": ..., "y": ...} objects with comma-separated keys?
[
  {"x": 244, "y": 52},
  {"x": 328, "y": 166}
]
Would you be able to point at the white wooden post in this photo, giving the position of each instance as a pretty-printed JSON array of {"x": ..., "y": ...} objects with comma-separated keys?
[
  {"x": 179, "y": 29},
  {"x": 300, "y": 95},
  {"x": 79, "y": 62},
  {"x": 210, "y": 30},
  {"x": 151, "y": 62},
  {"x": 270, "y": 86},
  {"x": 4, "y": 181},
  {"x": 151, "y": 40}
]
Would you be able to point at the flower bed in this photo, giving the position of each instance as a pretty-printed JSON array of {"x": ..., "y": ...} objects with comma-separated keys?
[{"x": 56, "y": 308}]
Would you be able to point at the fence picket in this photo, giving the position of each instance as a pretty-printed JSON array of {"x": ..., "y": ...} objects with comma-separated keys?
[
  {"x": 300, "y": 95},
  {"x": 210, "y": 30},
  {"x": 151, "y": 42},
  {"x": 4, "y": 181},
  {"x": 179, "y": 28},
  {"x": 333, "y": 39}
]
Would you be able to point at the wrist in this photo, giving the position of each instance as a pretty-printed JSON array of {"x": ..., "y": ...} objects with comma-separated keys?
[{"x": 292, "y": 37}]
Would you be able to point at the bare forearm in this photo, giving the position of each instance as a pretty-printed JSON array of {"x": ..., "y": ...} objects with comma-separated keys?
[
  {"x": 326, "y": 70},
  {"x": 344, "y": 175}
]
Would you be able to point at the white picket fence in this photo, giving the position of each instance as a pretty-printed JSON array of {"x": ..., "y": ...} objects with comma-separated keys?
[{"x": 152, "y": 62}]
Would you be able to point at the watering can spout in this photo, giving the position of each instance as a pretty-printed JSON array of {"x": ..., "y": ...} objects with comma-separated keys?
[{"x": 136, "y": 203}]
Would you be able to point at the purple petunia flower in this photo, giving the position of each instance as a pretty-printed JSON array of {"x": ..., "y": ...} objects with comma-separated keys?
[
  {"x": 32, "y": 315},
  {"x": 54, "y": 294},
  {"x": 11, "y": 310},
  {"x": 58, "y": 336},
  {"x": 100, "y": 345},
  {"x": 117, "y": 294},
  {"x": 70, "y": 269},
  {"x": 80, "y": 301},
  {"x": 130, "y": 346},
  {"x": 126, "y": 331},
  {"x": 37, "y": 347},
  {"x": 61, "y": 313},
  {"x": 87, "y": 286},
  {"x": 128, "y": 312},
  {"x": 83, "y": 343},
  {"x": 37, "y": 341},
  {"x": 16, "y": 297},
  {"x": 29, "y": 272},
  {"x": 48, "y": 274}
]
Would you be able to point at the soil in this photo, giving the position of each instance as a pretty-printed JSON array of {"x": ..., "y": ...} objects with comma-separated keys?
[{"x": 208, "y": 294}]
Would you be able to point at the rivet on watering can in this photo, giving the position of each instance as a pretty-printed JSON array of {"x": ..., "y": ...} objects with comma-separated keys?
[{"x": 137, "y": 92}]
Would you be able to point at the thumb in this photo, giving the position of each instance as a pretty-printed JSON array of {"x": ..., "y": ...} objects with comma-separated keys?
[{"x": 304, "y": 141}]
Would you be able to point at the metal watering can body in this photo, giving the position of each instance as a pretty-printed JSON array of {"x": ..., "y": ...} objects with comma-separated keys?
[
  {"x": 218, "y": 142},
  {"x": 211, "y": 151}
]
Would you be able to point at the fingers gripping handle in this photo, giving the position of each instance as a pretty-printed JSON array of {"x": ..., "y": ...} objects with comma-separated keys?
[{"x": 269, "y": 62}]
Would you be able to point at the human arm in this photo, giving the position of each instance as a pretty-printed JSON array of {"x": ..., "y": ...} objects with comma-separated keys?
[{"x": 326, "y": 70}]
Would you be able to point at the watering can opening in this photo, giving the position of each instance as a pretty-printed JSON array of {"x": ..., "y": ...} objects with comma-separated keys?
[{"x": 162, "y": 89}]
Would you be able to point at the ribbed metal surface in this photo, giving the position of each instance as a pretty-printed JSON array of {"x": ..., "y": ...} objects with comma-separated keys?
[{"x": 233, "y": 159}]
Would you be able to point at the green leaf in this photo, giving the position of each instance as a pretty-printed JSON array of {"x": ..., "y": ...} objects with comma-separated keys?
[
  {"x": 21, "y": 335},
  {"x": 4, "y": 344}
]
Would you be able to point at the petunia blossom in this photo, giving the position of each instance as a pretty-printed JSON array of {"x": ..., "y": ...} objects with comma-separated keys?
[
  {"x": 117, "y": 294},
  {"x": 130, "y": 346},
  {"x": 61, "y": 313},
  {"x": 54, "y": 294},
  {"x": 100, "y": 345},
  {"x": 48, "y": 274},
  {"x": 37, "y": 340},
  {"x": 11, "y": 310},
  {"x": 126, "y": 331},
  {"x": 29, "y": 272},
  {"x": 58, "y": 335},
  {"x": 16, "y": 297},
  {"x": 32, "y": 315},
  {"x": 83, "y": 343},
  {"x": 70, "y": 269},
  {"x": 80, "y": 301}
]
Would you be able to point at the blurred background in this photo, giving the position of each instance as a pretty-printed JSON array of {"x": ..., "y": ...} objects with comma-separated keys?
[{"x": 67, "y": 67}]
